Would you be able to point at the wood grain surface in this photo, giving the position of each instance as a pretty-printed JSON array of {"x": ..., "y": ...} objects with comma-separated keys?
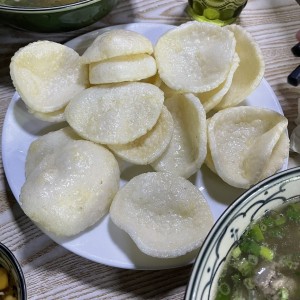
[{"x": 52, "y": 272}]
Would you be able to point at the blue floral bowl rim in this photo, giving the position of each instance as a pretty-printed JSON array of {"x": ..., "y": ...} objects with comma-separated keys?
[{"x": 264, "y": 185}]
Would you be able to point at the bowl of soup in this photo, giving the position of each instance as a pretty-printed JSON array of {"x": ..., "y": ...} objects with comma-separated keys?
[
  {"x": 12, "y": 281},
  {"x": 253, "y": 250},
  {"x": 53, "y": 15}
]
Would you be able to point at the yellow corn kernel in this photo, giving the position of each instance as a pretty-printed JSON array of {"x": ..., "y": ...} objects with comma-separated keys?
[
  {"x": 3, "y": 279},
  {"x": 9, "y": 297}
]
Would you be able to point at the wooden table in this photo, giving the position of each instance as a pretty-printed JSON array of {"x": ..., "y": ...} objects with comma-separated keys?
[{"x": 54, "y": 273}]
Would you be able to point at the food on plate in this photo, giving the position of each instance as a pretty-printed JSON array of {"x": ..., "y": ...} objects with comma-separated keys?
[
  {"x": 3, "y": 278},
  {"x": 165, "y": 215},
  {"x": 117, "y": 42},
  {"x": 122, "y": 68},
  {"x": 279, "y": 155},
  {"x": 47, "y": 144},
  {"x": 265, "y": 262},
  {"x": 147, "y": 108},
  {"x": 187, "y": 149},
  {"x": 119, "y": 55},
  {"x": 8, "y": 289},
  {"x": 56, "y": 116},
  {"x": 71, "y": 187},
  {"x": 150, "y": 146},
  {"x": 246, "y": 144},
  {"x": 47, "y": 75},
  {"x": 249, "y": 72},
  {"x": 213, "y": 97},
  {"x": 115, "y": 114},
  {"x": 195, "y": 57},
  {"x": 295, "y": 135},
  {"x": 295, "y": 139}
]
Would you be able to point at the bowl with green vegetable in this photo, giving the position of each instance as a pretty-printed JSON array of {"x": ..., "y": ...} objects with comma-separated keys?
[
  {"x": 53, "y": 15},
  {"x": 253, "y": 250},
  {"x": 12, "y": 281}
]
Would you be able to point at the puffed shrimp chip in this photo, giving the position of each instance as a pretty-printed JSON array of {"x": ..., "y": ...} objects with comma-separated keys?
[
  {"x": 167, "y": 90},
  {"x": 165, "y": 215},
  {"x": 55, "y": 116},
  {"x": 212, "y": 98},
  {"x": 246, "y": 144},
  {"x": 71, "y": 188},
  {"x": 115, "y": 114},
  {"x": 188, "y": 146},
  {"x": 195, "y": 57},
  {"x": 280, "y": 151},
  {"x": 47, "y": 144},
  {"x": 150, "y": 146},
  {"x": 122, "y": 68},
  {"x": 47, "y": 75},
  {"x": 249, "y": 72},
  {"x": 117, "y": 42}
]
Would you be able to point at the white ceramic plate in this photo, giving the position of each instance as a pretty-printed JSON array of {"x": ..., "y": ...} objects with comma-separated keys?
[{"x": 105, "y": 243}]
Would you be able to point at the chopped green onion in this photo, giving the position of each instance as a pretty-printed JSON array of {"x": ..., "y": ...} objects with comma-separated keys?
[
  {"x": 268, "y": 221},
  {"x": 236, "y": 252},
  {"x": 263, "y": 227},
  {"x": 249, "y": 246},
  {"x": 280, "y": 219},
  {"x": 244, "y": 267},
  {"x": 293, "y": 214},
  {"x": 249, "y": 284},
  {"x": 224, "y": 288},
  {"x": 222, "y": 297},
  {"x": 283, "y": 294},
  {"x": 266, "y": 253},
  {"x": 256, "y": 233},
  {"x": 236, "y": 278},
  {"x": 253, "y": 260}
]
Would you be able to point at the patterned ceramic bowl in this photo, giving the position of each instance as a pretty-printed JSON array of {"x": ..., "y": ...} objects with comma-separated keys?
[
  {"x": 59, "y": 18},
  {"x": 268, "y": 194},
  {"x": 9, "y": 262}
]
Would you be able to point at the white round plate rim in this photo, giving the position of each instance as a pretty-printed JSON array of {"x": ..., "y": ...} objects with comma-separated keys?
[{"x": 115, "y": 248}]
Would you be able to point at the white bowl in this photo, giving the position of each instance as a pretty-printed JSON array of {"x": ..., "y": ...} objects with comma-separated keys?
[{"x": 268, "y": 194}]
